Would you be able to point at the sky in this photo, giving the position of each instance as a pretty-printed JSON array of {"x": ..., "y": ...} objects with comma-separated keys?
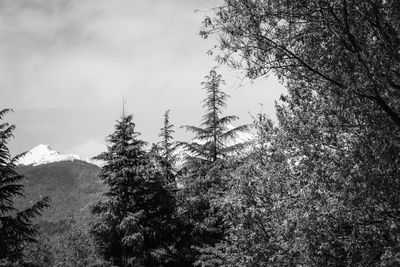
[{"x": 66, "y": 65}]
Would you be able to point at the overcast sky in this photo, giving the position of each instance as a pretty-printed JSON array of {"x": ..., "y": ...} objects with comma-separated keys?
[{"x": 65, "y": 66}]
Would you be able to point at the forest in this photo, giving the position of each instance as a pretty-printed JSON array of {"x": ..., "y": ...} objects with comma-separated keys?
[{"x": 317, "y": 187}]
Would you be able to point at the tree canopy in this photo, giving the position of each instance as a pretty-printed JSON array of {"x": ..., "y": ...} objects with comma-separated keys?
[
  {"x": 133, "y": 225},
  {"x": 351, "y": 47}
]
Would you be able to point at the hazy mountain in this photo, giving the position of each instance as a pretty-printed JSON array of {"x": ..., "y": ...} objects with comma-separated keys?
[
  {"x": 72, "y": 185},
  {"x": 43, "y": 154}
]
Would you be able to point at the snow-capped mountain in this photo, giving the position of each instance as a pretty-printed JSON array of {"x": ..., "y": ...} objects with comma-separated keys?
[{"x": 43, "y": 154}]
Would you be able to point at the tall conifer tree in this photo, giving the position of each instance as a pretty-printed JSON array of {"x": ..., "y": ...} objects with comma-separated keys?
[
  {"x": 167, "y": 148},
  {"x": 16, "y": 227},
  {"x": 132, "y": 226},
  {"x": 212, "y": 136},
  {"x": 206, "y": 165}
]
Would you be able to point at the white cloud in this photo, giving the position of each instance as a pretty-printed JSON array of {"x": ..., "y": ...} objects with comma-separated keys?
[
  {"x": 88, "y": 53},
  {"x": 60, "y": 57},
  {"x": 89, "y": 148}
]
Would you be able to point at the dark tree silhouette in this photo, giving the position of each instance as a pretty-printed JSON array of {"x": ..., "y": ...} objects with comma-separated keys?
[
  {"x": 133, "y": 225},
  {"x": 16, "y": 227},
  {"x": 212, "y": 136}
]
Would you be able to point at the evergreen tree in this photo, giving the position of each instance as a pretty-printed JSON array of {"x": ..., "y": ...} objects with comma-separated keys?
[
  {"x": 167, "y": 148},
  {"x": 133, "y": 223},
  {"x": 16, "y": 227},
  {"x": 211, "y": 138},
  {"x": 206, "y": 167}
]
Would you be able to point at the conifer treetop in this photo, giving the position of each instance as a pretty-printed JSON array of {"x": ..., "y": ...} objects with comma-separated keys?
[
  {"x": 167, "y": 144},
  {"x": 213, "y": 133}
]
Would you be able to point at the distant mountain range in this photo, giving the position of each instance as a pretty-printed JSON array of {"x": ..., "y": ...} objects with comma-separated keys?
[
  {"x": 71, "y": 183},
  {"x": 43, "y": 154}
]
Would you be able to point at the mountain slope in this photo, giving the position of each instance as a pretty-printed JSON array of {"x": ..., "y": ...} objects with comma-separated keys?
[
  {"x": 71, "y": 185},
  {"x": 43, "y": 154}
]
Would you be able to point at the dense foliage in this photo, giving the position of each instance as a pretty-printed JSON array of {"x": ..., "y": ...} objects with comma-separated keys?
[
  {"x": 75, "y": 248},
  {"x": 133, "y": 225},
  {"x": 351, "y": 46},
  {"x": 324, "y": 190},
  {"x": 205, "y": 167}
]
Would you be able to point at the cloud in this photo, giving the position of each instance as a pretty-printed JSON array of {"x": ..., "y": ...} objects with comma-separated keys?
[
  {"x": 89, "y": 148},
  {"x": 68, "y": 63},
  {"x": 92, "y": 50}
]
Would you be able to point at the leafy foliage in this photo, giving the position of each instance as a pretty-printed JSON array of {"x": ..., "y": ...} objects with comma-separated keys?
[
  {"x": 351, "y": 46},
  {"x": 40, "y": 253},
  {"x": 75, "y": 248},
  {"x": 323, "y": 189}
]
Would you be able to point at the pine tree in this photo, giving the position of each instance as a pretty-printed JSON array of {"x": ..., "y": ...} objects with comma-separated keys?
[
  {"x": 16, "y": 227},
  {"x": 206, "y": 166},
  {"x": 134, "y": 219},
  {"x": 167, "y": 148},
  {"x": 212, "y": 136}
]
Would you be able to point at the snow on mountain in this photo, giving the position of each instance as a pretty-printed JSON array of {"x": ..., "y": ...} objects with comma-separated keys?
[
  {"x": 43, "y": 154},
  {"x": 97, "y": 162}
]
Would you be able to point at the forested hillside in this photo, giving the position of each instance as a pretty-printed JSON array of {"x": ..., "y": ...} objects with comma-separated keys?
[
  {"x": 317, "y": 187},
  {"x": 71, "y": 186}
]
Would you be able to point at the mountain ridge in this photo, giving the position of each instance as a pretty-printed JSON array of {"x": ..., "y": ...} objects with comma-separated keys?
[{"x": 44, "y": 154}]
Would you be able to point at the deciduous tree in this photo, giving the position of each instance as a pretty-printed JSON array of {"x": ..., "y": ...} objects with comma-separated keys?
[{"x": 350, "y": 46}]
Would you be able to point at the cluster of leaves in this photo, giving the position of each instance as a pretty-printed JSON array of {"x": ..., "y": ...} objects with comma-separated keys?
[
  {"x": 75, "y": 247},
  {"x": 71, "y": 246},
  {"x": 319, "y": 193},
  {"x": 40, "y": 253}
]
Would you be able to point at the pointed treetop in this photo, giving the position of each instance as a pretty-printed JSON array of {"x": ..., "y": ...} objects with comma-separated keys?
[
  {"x": 213, "y": 134},
  {"x": 123, "y": 106}
]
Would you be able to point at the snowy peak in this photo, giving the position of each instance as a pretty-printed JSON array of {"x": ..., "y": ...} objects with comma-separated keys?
[{"x": 43, "y": 154}]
